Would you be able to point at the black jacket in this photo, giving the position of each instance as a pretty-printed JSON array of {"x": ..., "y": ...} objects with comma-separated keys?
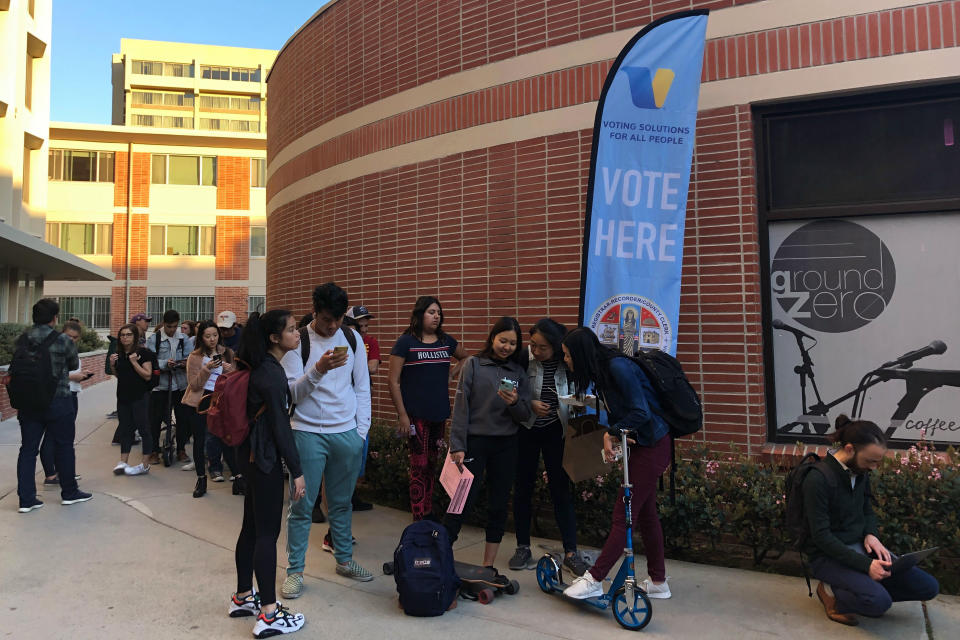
[{"x": 270, "y": 435}]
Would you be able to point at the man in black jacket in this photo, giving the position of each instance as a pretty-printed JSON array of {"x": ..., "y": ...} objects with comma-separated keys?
[{"x": 845, "y": 551}]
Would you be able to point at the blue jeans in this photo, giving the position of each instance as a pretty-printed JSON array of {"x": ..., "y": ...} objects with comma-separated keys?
[
  {"x": 57, "y": 421},
  {"x": 857, "y": 592},
  {"x": 333, "y": 458}
]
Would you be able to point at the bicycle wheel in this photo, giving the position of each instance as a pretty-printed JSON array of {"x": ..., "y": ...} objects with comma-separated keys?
[{"x": 635, "y": 615}]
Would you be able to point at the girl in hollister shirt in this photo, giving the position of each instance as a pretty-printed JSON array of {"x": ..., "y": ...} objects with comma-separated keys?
[{"x": 418, "y": 380}]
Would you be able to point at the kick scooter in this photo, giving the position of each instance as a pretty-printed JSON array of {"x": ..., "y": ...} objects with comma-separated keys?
[{"x": 630, "y": 604}]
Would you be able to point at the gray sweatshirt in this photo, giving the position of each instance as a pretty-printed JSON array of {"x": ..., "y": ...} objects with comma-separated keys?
[{"x": 478, "y": 410}]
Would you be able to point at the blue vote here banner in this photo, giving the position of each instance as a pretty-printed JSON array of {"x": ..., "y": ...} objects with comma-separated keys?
[{"x": 639, "y": 177}]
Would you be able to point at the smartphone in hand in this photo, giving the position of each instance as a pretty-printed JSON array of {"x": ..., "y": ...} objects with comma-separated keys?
[
  {"x": 507, "y": 385},
  {"x": 342, "y": 350}
]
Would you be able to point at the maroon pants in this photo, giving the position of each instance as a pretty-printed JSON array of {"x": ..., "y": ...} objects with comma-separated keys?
[
  {"x": 423, "y": 466},
  {"x": 647, "y": 464}
]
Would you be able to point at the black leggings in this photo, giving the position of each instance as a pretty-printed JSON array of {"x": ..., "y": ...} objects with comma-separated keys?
[
  {"x": 549, "y": 440},
  {"x": 493, "y": 461},
  {"x": 262, "y": 516},
  {"x": 198, "y": 421},
  {"x": 133, "y": 415}
]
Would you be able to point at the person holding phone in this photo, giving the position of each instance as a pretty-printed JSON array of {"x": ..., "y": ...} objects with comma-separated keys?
[
  {"x": 419, "y": 384},
  {"x": 270, "y": 444},
  {"x": 204, "y": 365},
  {"x": 492, "y": 402},
  {"x": 133, "y": 366}
]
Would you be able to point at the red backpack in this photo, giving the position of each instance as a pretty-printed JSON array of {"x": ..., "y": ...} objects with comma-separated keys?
[{"x": 227, "y": 414}]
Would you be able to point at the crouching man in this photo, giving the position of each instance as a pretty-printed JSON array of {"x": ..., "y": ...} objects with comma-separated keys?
[{"x": 845, "y": 552}]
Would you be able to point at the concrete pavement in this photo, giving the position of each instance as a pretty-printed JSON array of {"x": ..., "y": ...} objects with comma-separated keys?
[{"x": 145, "y": 558}]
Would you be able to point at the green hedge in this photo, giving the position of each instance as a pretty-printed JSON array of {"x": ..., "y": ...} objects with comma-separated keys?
[
  {"x": 9, "y": 332},
  {"x": 729, "y": 510}
]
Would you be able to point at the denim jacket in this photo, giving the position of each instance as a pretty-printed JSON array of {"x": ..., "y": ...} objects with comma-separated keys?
[
  {"x": 564, "y": 388},
  {"x": 633, "y": 403}
]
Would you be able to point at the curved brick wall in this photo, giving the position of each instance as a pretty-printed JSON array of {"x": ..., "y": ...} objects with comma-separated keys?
[{"x": 473, "y": 187}]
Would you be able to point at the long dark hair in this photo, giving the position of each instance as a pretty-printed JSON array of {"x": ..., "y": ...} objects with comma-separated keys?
[
  {"x": 200, "y": 347},
  {"x": 416, "y": 317},
  {"x": 553, "y": 332},
  {"x": 859, "y": 433},
  {"x": 255, "y": 339},
  {"x": 504, "y": 324},
  {"x": 591, "y": 360},
  {"x": 136, "y": 338}
]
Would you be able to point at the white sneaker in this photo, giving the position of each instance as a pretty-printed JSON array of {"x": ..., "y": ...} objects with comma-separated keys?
[
  {"x": 190, "y": 466},
  {"x": 120, "y": 468},
  {"x": 584, "y": 587},
  {"x": 137, "y": 470},
  {"x": 282, "y": 621},
  {"x": 249, "y": 605},
  {"x": 656, "y": 591}
]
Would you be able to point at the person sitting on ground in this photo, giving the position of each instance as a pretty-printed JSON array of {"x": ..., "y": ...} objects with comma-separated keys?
[
  {"x": 630, "y": 403},
  {"x": 134, "y": 367},
  {"x": 845, "y": 552}
]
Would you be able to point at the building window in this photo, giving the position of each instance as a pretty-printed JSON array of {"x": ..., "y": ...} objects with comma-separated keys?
[
  {"x": 182, "y": 240},
  {"x": 150, "y": 98},
  {"x": 28, "y": 84},
  {"x": 256, "y": 303},
  {"x": 258, "y": 172},
  {"x": 81, "y": 238},
  {"x": 174, "y": 69},
  {"x": 258, "y": 242},
  {"x": 80, "y": 166},
  {"x": 222, "y": 124},
  {"x": 196, "y": 308},
  {"x": 92, "y": 311},
  {"x": 235, "y": 103},
  {"x": 189, "y": 170},
  {"x": 166, "y": 122},
  {"x": 237, "y": 74}
]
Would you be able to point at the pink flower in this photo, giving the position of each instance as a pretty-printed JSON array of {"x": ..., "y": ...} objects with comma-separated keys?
[{"x": 374, "y": 454}]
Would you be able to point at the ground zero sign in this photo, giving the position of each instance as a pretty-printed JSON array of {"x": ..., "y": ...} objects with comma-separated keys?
[{"x": 833, "y": 276}]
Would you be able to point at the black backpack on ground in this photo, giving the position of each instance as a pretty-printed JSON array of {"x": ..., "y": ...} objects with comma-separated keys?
[
  {"x": 796, "y": 517},
  {"x": 33, "y": 384},
  {"x": 680, "y": 405},
  {"x": 423, "y": 570}
]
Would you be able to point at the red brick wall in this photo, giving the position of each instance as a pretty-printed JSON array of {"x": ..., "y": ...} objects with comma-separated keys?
[
  {"x": 233, "y": 248},
  {"x": 139, "y": 246},
  {"x": 233, "y": 299},
  {"x": 141, "y": 179},
  {"x": 93, "y": 363},
  {"x": 233, "y": 183},
  {"x": 138, "y": 304}
]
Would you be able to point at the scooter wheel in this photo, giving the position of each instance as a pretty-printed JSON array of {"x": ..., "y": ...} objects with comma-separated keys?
[
  {"x": 512, "y": 588},
  {"x": 634, "y": 615},
  {"x": 547, "y": 575},
  {"x": 485, "y": 596}
]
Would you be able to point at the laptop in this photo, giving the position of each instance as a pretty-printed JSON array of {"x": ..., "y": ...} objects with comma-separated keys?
[{"x": 910, "y": 560}]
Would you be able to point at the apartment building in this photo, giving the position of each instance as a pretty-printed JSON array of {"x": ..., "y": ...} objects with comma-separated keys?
[
  {"x": 176, "y": 211},
  {"x": 26, "y": 261}
]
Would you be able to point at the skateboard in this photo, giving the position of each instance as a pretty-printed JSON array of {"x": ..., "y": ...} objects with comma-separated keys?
[{"x": 482, "y": 583}]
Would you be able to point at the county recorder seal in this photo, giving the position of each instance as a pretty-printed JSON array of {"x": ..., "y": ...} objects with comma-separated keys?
[{"x": 629, "y": 322}]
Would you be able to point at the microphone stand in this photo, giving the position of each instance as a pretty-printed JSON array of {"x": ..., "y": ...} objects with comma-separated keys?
[{"x": 805, "y": 370}]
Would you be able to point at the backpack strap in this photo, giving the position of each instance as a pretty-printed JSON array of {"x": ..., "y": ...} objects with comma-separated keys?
[
  {"x": 157, "y": 337},
  {"x": 304, "y": 345},
  {"x": 351, "y": 338}
]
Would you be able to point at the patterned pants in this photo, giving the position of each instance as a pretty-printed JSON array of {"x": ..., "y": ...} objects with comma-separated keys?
[{"x": 423, "y": 466}]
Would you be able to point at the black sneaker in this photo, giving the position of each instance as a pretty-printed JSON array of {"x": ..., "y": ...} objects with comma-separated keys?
[
  {"x": 27, "y": 507},
  {"x": 575, "y": 564},
  {"x": 48, "y": 482},
  {"x": 75, "y": 497},
  {"x": 318, "y": 517},
  {"x": 360, "y": 505},
  {"x": 521, "y": 559},
  {"x": 112, "y": 415}
]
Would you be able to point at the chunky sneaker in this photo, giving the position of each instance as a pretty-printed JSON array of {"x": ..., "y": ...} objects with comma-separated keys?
[
  {"x": 584, "y": 587},
  {"x": 27, "y": 507},
  {"x": 51, "y": 482},
  {"x": 292, "y": 587},
  {"x": 190, "y": 466},
  {"x": 521, "y": 559},
  {"x": 140, "y": 469},
  {"x": 575, "y": 564},
  {"x": 328, "y": 543},
  {"x": 280, "y": 621},
  {"x": 182, "y": 456},
  {"x": 217, "y": 476},
  {"x": 657, "y": 591},
  {"x": 75, "y": 497},
  {"x": 120, "y": 468},
  {"x": 248, "y": 605},
  {"x": 352, "y": 570}
]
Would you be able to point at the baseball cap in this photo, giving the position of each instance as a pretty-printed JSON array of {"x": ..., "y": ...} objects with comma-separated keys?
[
  {"x": 358, "y": 312},
  {"x": 226, "y": 319},
  {"x": 140, "y": 316}
]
